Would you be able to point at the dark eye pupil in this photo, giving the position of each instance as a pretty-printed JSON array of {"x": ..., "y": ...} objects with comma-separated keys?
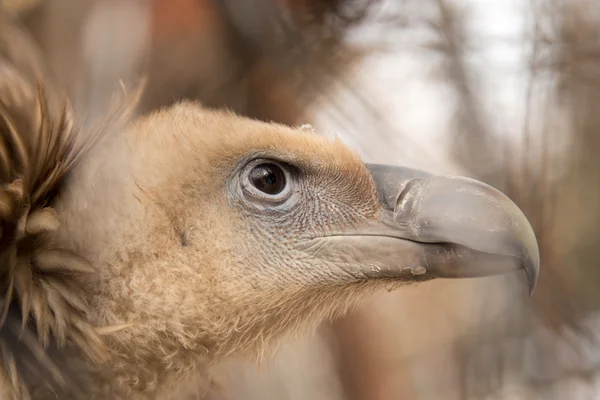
[{"x": 268, "y": 178}]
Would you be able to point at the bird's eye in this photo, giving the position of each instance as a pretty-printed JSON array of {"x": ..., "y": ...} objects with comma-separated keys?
[
  {"x": 268, "y": 178},
  {"x": 267, "y": 182}
]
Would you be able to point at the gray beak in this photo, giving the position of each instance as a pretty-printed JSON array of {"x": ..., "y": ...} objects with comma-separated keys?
[
  {"x": 482, "y": 230},
  {"x": 436, "y": 227}
]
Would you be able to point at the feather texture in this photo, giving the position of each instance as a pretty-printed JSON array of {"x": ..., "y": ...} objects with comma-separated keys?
[{"x": 41, "y": 304}]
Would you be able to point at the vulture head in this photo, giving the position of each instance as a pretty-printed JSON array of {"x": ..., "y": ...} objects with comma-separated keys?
[{"x": 138, "y": 259}]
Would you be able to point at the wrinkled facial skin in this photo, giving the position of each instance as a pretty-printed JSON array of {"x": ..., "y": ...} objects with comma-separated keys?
[{"x": 314, "y": 202}]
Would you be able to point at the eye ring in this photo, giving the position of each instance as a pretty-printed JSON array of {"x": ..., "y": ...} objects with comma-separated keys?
[{"x": 267, "y": 180}]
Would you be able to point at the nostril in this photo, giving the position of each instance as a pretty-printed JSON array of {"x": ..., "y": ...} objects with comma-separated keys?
[
  {"x": 395, "y": 184},
  {"x": 407, "y": 194}
]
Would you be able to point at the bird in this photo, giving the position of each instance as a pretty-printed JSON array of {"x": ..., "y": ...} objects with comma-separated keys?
[{"x": 140, "y": 251}]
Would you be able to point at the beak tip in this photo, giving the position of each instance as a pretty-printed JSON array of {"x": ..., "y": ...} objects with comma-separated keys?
[
  {"x": 531, "y": 254},
  {"x": 531, "y": 264},
  {"x": 532, "y": 270}
]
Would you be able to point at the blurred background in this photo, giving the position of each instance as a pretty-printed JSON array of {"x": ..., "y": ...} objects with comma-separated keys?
[{"x": 506, "y": 91}]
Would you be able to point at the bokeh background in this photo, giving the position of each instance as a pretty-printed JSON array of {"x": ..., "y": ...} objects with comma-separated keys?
[{"x": 506, "y": 91}]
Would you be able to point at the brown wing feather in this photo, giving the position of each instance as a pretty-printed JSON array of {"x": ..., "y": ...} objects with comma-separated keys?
[{"x": 41, "y": 303}]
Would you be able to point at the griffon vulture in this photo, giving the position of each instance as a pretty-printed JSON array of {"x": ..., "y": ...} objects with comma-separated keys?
[{"x": 136, "y": 255}]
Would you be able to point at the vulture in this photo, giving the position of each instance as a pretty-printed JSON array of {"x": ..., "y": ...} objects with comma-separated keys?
[{"x": 139, "y": 252}]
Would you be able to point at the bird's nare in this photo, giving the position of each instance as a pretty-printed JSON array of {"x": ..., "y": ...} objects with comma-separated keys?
[{"x": 147, "y": 254}]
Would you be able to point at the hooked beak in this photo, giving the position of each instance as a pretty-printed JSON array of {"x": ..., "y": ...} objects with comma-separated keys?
[{"x": 436, "y": 227}]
